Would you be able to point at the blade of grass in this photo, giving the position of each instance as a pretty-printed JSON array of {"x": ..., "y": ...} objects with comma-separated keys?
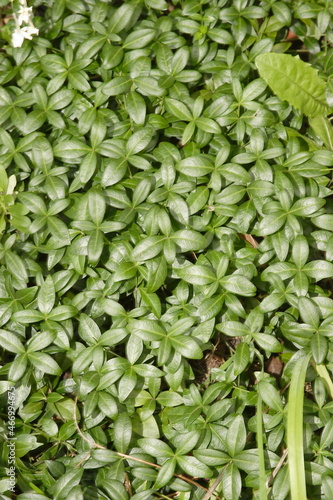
[
  {"x": 295, "y": 430},
  {"x": 260, "y": 443}
]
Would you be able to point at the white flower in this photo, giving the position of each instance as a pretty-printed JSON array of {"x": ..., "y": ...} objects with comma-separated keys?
[
  {"x": 28, "y": 31},
  {"x": 20, "y": 34},
  {"x": 24, "y": 15},
  {"x": 17, "y": 38}
]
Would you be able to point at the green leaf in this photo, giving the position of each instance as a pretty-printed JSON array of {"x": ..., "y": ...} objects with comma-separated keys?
[
  {"x": 197, "y": 274},
  {"x": 208, "y": 125},
  {"x": 211, "y": 457},
  {"x": 188, "y": 132},
  {"x": 272, "y": 302},
  {"x": 104, "y": 456},
  {"x": 318, "y": 269},
  {"x": 197, "y": 199},
  {"x": 18, "y": 368},
  {"x": 147, "y": 330},
  {"x": 33, "y": 202},
  {"x": 195, "y": 166},
  {"x": 10, "y": 342},
  {"x": 267, "y": 342},
  {"x": 231, "y": 482},
  {"x": 136, "y": 107},
  {"x": 127, "y": 384},
  {"x": 219, "y": 107},
  {"x": 194, "y": 467},
  {"x": 165, "y": 474},
  {"x": 323, "y": 128},
  {"x": 231, "y": 195},
  {"x": 300, "y": 251},
  {"x": 157, "y": 275},
  {"x": 220, "y": 36},
  {"x": 271, "y": 223},
  {"x": 40, "y": 341},
  {"x": 187, "y": 347},
  {"x": 116, "y": 490},
  {"x": 241, "y": 358},
  {"x": 148, "y": 86},
  {"x": 239, "y": 285},
  {"x": 295, "y": 81},
  {"x": 152, "y": 301},
  {"x": 42, "y": 154},
  {"x": 148, "y": 248},
  {"x": 139, "y": 140},
  {"x": 61, "y": 99},
  {"x": 217, "y": 410},
  {"x": 319, "y": 348},
  {"x": 178, "y": 109},
  {"x": 88, "y": 329},
  {"x": 187, "y": 240},
  {"x": 96, "y": 206},
  {"x": 306, "y": 206},
  {"x": 44, "y": 363},
  {"x": 118, "y": 85},
  {"x": 125, "y": 271},
  {"x": 83, "y": 360},
  {"x": 169, "y": 398},
  {"x": 88, "y": 167},
  {"x": 155, "y": 447},
  {"x": 139, "y": 38},
  {"x": 234, "y": 328},
  {"x": 270, "y": 395},
  {"x": 210, "y": 307},
  {"x": 59, "y": 230},
  {"x": 28, "y": 316},
  {"x": 33, "y": 121},
  {"x": 16, "y": 265},
  {"x": 121, "y": 18},
  {"x": 247, "y": 460},
  {"x": 95, "y": 246},
  {"x": 122, "y": 432},
  {"x": 115, "y": 169},
  {"x": 323, "y": 221},
  {"x": 61, "y": 313},
  {"x": 145, "y": 370},
  {"x": 32, "y": 496},
  {"x": 281, "y": 484},
  {"x": 309, "y": 312},
  {"x": 236, "y": 436},
  {"x": 70, "y": 150},
  {"x": 66, "y": 482},
  {"x": 46, "y": 296}
]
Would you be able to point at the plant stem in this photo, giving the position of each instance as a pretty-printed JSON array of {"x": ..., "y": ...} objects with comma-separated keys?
[
  {"x": 295, "y": 430},
  {"x": 260, "y": 443}
]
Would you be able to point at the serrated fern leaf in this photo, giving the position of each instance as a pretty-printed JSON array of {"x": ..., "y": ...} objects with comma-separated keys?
[{"x": 294, "y": 81}]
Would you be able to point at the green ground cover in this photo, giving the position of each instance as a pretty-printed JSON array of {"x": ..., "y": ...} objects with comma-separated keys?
[{"x": 166, "y": 250}]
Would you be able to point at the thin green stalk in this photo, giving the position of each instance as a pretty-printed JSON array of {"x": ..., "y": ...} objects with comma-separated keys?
[
  {"x": 260, "y": 443},
  {"x": 295, "y": 430}
]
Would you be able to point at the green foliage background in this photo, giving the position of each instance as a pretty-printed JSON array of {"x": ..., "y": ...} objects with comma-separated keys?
[{"x": 158, "y": 203}]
